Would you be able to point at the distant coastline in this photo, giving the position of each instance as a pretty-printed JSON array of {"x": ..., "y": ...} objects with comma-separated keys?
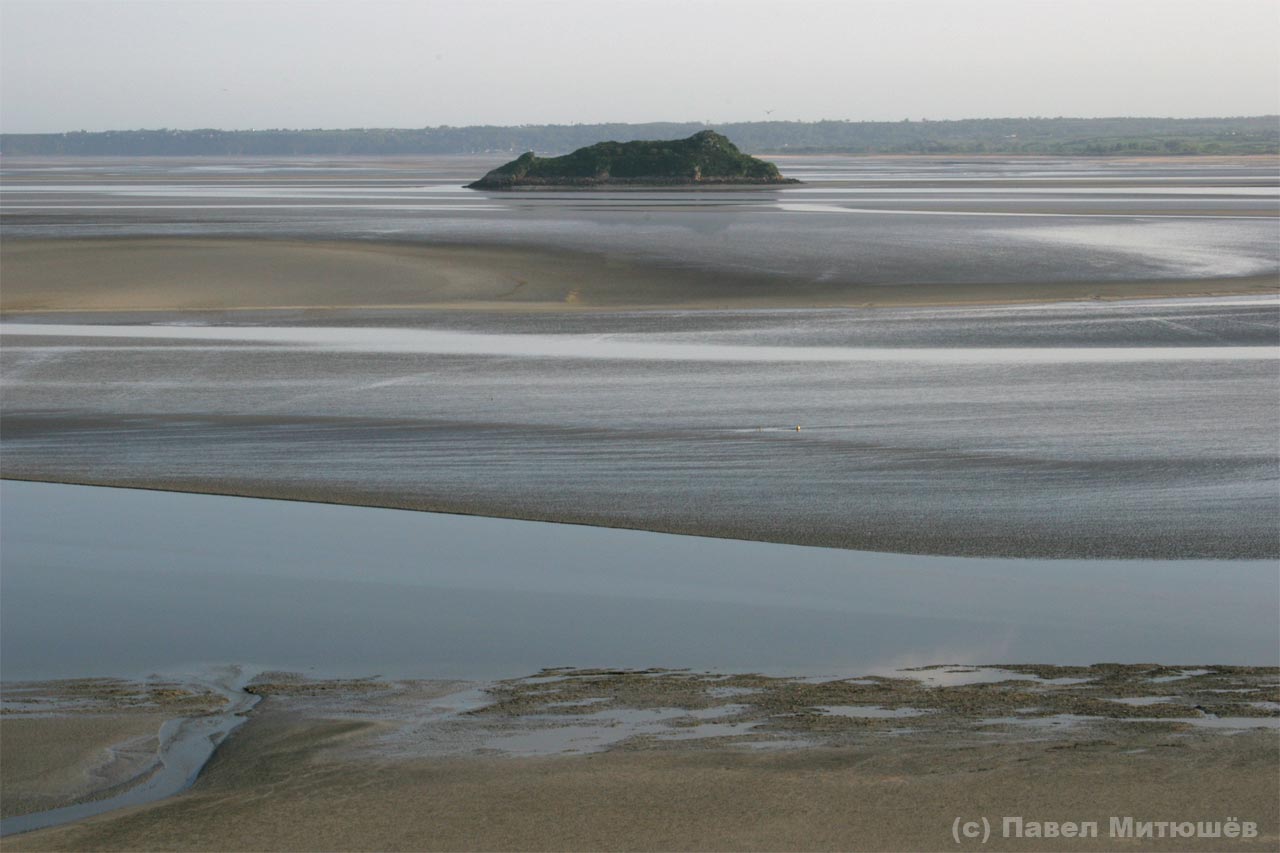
[{"x": 1118, "y": 136}]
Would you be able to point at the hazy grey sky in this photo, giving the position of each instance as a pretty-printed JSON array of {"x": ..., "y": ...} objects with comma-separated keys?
[{"x": 114, "y": 64}]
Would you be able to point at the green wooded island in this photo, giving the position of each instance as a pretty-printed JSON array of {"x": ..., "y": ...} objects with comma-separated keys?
[{"x": 706, "y": 158}]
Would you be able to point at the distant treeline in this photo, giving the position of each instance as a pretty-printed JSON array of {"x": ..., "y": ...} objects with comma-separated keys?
[{"x": 1060, "y": 136}]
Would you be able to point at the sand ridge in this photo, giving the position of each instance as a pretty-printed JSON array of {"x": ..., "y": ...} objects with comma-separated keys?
[{"x": 177, "y": 274}]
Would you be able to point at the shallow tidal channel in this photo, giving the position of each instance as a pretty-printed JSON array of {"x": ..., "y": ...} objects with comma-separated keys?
[{"x": 117, "y": 582}]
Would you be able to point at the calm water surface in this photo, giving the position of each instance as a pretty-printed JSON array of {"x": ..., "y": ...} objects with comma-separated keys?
[{"x": 116, "y": 582}]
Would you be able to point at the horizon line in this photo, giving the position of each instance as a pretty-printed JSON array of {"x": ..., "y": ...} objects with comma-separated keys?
[{"x": 703, "y": 123}]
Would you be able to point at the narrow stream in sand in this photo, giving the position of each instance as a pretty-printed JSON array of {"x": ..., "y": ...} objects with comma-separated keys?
[{"x": 186, "y": 743}]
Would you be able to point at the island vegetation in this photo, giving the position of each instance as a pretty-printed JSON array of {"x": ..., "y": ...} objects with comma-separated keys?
[
  {"x": 1016, "y": 136},
  {"x": 705, "y": 157}
]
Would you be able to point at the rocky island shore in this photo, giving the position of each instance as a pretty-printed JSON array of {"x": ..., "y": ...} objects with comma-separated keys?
[{"x": 706, "y": 158}]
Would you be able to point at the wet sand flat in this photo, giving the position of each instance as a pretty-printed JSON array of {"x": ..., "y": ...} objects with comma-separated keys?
[
  {"x": 1115, "y": 429},
  {"x": 1014, "y": 459},
  {"x": 75, "y": 740},
  {"x": 1103, "y": 428},
  {"x": 52, "y": 761},
  {"x": 168, "y": 274},
  {"x": 404, "y": 231},
  {"x": 349, "y": 765},
  {"x": 263, "y": 792},
  {"x": 877, "y": 757}
]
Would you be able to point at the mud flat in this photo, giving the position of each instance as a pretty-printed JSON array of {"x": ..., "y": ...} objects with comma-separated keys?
[{"x": 659, "y": 759}]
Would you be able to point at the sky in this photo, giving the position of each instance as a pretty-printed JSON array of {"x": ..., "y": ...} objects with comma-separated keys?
[{"x": 244, "y": 64}]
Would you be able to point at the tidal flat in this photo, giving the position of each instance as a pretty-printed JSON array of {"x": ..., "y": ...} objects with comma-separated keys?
[
  {"x": 1019, "y": 400},
  {"x": 171, "y": 233},
  {"x": 1026, "y": 404},
  {"x": 404, "y": 660},
  {"x": 1108, "y": 430}
]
